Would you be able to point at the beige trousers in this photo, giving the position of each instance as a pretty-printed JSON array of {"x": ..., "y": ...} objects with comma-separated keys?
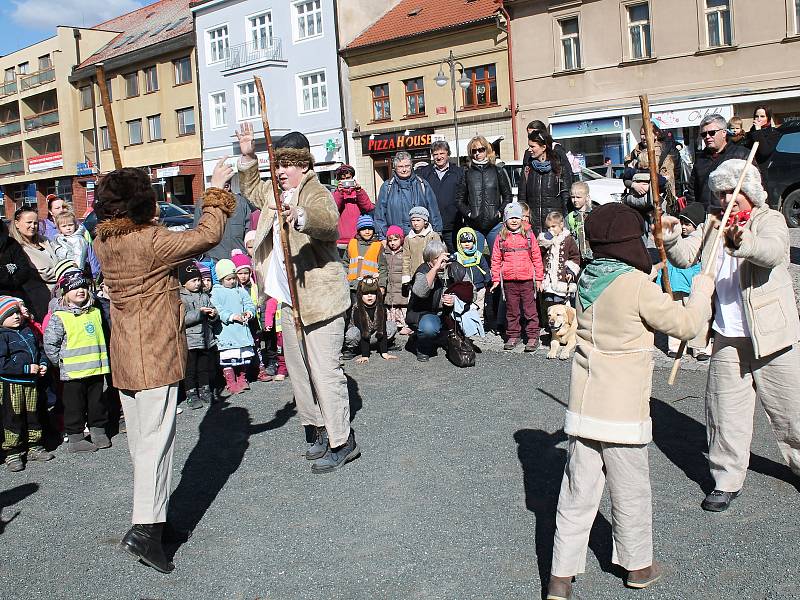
[
  {"x": 735, "y": 378},
  {"x": 695, "y": 346},
  {"x": 324, "y": 343},
  {"x": 150, "y": 419},
  {"x": 590, "y": 464}
]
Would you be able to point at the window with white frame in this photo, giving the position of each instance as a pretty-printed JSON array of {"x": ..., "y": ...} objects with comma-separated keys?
[
  {"x": 105, "y": 138},
  {"x": 218, "y": 44},
  {"x": 639, "y": 30},
  {"x": 24, "y": 68},
  {"x": 185, "y": 121},
  {"x": 718, "y": 21},
  {"x": 313, "y": 91},
  {"x": 247, "y": 101},
  {"x": 308, "y": 19},
  {"x": 260, "y": 28},
  {"x": 570, "y": 44},
  {"x": 218, "y": 108},
  {"x": 154, "y": 128},
  {"x": 135, "y": 132}
]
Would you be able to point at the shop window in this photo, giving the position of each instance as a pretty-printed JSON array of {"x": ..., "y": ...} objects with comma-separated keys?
[
  {"x": 135, "y": 132},
  {"x": 132, "y": 84},
  {"x": 308, "y": 19},
  {"x": 415, "y": 97},
  {"x": 718, "y": 22},
  {"x": 380, "y": 103},
  {"x": 247, "y": 105},
  {"x": 86, "y": 97},
  {"x": 151, "y": 79},
  {"x": 570, "y": 44},
  {"x": 219, "y": 109},
  {"x": 185, "y": 121},
  {"x": 218, "y": 44},
  {"x": 313, "y": 91},
  {"x": 639, "y": 30},
  {"x": 183, "y": 70},
  {"x": 105, "y": 138},
  {"x": 154, "y": 128},
  {"x": 482, "y": 90}
]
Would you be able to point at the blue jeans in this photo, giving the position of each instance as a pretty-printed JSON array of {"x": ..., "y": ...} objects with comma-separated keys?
[{"x": 427, "y": 332}]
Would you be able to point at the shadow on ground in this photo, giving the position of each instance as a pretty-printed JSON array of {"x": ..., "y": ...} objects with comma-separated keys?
[{"x": 11, "y": 497}]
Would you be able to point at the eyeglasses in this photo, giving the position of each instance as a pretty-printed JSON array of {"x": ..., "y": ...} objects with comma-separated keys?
[
  {"x": 478, "y": 150},
  {"x": 710, "y": 132}
]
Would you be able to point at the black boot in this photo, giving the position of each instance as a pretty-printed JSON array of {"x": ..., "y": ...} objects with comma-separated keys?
[{"x": 144, "y": 542}]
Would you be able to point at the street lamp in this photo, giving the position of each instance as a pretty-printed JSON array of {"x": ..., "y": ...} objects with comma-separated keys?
[{"x": 464, "y": 82}]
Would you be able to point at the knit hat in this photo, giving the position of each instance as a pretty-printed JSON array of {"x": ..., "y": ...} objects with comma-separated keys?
[
  {"x": 694, "y": 213},
  {"x": 188, "y": 271},
  {"x": 8, "y": 306},
  {"x": 512, "y": 211},
  {"x": 467, "y": 236},
  {"x": 224, "y": 268},
  {"x": 420, "y": 212},
  {"x": 365, "y": 222},
  {"x": 368, "y": 285},
  {"x": 344, "y": 172},
  {"x": 615, "y": 231},
  {"x": 293, "y": 148},
  {"x": 204, "y": 269},
  {"x": 250, "y": 235},
  {"x": 726, "y": 175},
  {"x": 395, "y": 230},
  {"x": 241, "y": 260},
  {"x": 72, "y": 280},
  {"x": 64, "y": 266}
]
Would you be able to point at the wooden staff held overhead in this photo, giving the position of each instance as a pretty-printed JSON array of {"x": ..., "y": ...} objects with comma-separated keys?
[
  {"x": 658, "y": 235},
  {"x": 710, "y": 268},
  {"x": 112, "y": 127}
]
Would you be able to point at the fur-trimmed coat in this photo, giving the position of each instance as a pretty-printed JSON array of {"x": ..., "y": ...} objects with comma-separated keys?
[
  {"x": 148, "y": 342},
  {"x": 321, "y": 279}
]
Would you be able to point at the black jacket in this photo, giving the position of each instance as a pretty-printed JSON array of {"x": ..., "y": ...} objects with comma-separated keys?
[
  {"x": 19, "y": 349},
  {"x": 767, "y": 139},
  {"x": 15, "y": 267},
  {"x": 445, "y": 191},
  {"x": 483, "y": 195},
  {"x": 704, "y": 164},
  {"x": 545, "y": 192}
]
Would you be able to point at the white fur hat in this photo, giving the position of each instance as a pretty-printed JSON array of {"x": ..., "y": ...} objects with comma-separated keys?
[{"x": 725, "y": 177}]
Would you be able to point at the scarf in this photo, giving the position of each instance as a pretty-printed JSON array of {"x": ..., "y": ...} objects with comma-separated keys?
[
  {"x": 475, "y": 161},
  {"x": 739, "y": 218},
  {"x": 541, "y": 166},
  {"x": 597, "y": 276}
]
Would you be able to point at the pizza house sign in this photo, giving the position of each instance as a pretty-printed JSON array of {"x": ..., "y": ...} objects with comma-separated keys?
[{"x": 390, "y": 143}]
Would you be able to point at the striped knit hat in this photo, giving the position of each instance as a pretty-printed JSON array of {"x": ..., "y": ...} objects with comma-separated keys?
[
  {"x": 64, "y": 266},
  {"x": 365, "y": 222},
  {"x": 8, "y": 306}
]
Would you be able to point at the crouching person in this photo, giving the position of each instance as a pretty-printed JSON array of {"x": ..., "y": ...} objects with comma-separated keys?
[
  {"x": 619, "y": 308},
  {"x": 428, "y": 299},
  {"x": 370, "y": 327}
]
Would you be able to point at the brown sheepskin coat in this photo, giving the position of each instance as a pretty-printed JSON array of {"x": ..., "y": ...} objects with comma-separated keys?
[{"x": 148, "y": 343}]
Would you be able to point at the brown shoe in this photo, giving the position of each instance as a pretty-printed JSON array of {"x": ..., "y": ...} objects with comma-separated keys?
[
  {"x": 642, "y": 578},
  {"x": 560, "y": 588}
]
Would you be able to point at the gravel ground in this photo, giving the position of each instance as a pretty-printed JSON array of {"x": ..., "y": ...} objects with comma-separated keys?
[{"x": 454, "y": 497}]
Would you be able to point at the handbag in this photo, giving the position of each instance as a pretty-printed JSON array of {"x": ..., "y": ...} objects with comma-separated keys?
[{"x": 459, "y": 349}]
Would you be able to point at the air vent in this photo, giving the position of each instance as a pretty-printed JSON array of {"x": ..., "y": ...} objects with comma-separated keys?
[{"x": 415, "y": 12}]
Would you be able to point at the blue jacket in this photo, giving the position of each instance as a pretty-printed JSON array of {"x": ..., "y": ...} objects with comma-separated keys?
[
  {"x": 19, "y": 349},
  {"x": 228, "y": 302},
  {"x": 445, "y": 191},
  {"x": 680, "y": 280},
  {"x": 397, "y": 197}
]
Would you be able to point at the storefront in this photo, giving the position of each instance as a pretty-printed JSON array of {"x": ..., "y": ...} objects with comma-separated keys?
[
  {"x": 592, "y": 141},
  {"x": 381, "y": 148},
  {"x": 178, "y": 182}
]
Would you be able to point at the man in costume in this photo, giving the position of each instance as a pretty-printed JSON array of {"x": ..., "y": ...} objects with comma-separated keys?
[
  {"x": 755, "y": 327},
  {"x": 315, "y": 368}
]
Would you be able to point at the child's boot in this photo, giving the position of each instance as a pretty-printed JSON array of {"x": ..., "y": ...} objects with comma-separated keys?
[
  {"x": 263, "y": 375},
  {"x": 99, "y": 437},
  {"x": 241, "y": 381},
  {"x": 14, "y": 463},
  {"x": 230, "y": 381},
  {"x": 206, "y": 395},
  {"x": 78, "y": 443},
  {"x": 39, "y": 454},
  {"x": 193, "y": 400}
]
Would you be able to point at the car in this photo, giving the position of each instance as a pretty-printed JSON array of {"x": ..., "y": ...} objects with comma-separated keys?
[
  {"x": 783, "y": 174},
  {"x": 172, "y": 216},
  {"x": 602, "y": 190}
]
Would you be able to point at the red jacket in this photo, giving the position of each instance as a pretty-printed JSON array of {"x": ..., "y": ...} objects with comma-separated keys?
[
  {"x": 352, "y": 203},
  {"x": 517, "y": 255}
]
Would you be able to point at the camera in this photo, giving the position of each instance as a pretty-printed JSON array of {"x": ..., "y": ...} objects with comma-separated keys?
[
  {"x": 348, "y": 183},
  {"x": 452, "y": 257}
]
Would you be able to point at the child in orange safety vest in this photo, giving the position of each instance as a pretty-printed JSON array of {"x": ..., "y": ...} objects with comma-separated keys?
[{"x": 365, "y": 256}]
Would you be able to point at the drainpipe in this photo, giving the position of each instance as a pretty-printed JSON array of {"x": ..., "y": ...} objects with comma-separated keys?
[
  {"x": 341, "y": 89},
  {"x": 502, "y": 9}
]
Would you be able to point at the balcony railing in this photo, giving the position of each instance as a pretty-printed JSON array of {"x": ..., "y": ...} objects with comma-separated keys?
[
  {"x": 10, "y": 168},
  {"x": 45, "y": 119},
  {"x": 8, "y": 88},
  {"x": 253, "y": 52},
  {"x": 39, "y": 78},
  {"x": 9, "y": 128}
]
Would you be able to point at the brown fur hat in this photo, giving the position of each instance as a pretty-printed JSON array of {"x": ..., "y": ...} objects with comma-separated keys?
[
  {"x": 127, "y": 193},
  {"x": 293, "y": 148}
]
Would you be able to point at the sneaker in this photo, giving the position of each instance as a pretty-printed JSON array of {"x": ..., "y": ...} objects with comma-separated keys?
[
  {"x": 646, "y": 577},
  {"x": 39, "y": 454},
  {"x": 532, "y": 346},
  {"x": 178, "y": 410},
  {"x": 272, "y": 369},
  {"x": 336, "y": 459},
  {"x": 318, "y": 442},
  {"x": 511, "y": 344},
  {"x": 718, "y": 501},
  {"x": 14, "y": 463}
]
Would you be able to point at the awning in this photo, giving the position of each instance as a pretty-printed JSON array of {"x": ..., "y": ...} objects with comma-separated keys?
[{"x": 463, "y": 141}]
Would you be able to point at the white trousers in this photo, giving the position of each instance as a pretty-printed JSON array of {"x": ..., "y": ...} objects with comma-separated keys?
[
  {"x": 324, "y": 344},
  {"x": 150, "y": 420},
  {"x": 590, "y": 464},
  {"x": 735, "y": 379}
]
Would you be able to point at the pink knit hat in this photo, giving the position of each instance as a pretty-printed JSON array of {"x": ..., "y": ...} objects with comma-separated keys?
[
  {"x": 241, "y": 260},
  {"x": 395, "y": 230}
]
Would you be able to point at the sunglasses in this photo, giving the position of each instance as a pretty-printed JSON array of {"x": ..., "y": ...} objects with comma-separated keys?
[
  {"x": 478, "y": 150},
  {"x": 710, "y": 132}
]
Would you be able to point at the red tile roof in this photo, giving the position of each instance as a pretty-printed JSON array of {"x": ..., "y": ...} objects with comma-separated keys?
[
  {"x": 144, "y": 27},
  {"x": 415, "y": 17}
]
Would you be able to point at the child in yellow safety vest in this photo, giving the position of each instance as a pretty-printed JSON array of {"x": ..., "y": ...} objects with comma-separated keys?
[
  {"x": 365, "y": 255},
  {"x": 75, "y": 341}
]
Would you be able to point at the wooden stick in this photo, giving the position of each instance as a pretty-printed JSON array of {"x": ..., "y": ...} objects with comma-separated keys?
[
  {"x": 658, "y": 235},
  {"x": 710, "y": 267},
  {"x": 112, "y": 127}
]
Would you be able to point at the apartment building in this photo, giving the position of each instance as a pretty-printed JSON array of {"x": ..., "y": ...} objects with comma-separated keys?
[
  {"x": 291, "y": 46},
  {"x": 39, "y": 155},
  {"x": 692, "y": 58},
  {"x": 401, "y": 83},
  {"x": 150, "y": 71}
]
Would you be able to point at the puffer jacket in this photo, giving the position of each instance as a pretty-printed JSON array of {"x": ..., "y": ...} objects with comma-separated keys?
[
  {"x": 546, "y": 192},
  {"x": 516, "y": 257},
  {"x": 767, "y": 291},
  {"x": 394, "y": 281},
  {"x": 199, "y": 328},
  {"x": 483, "y": 195}
]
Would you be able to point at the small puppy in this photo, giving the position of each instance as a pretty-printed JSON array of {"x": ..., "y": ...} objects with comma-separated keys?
[{"x": 563, "y": 326}]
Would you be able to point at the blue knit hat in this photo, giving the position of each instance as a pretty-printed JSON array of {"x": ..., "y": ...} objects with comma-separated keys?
[
  {"x": 8, "y": 306},
  {"x": 365, "y": 222}
]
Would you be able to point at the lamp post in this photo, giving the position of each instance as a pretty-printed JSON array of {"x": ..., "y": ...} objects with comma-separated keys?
[{"x": 464, "y": 82}]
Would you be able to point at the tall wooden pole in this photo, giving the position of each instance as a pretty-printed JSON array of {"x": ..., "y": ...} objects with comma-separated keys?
[{"x": 112, "y": 127}]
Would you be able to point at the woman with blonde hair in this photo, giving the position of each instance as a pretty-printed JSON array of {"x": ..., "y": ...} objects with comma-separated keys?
[{"x": 38, "y": 288}]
